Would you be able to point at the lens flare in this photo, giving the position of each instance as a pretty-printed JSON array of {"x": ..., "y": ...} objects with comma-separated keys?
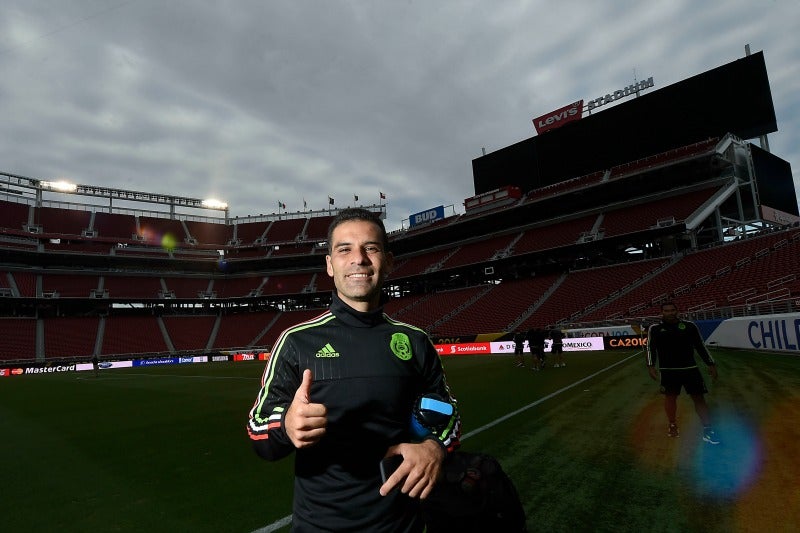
[
  {"x": 729, "y": 468},
  {"x": 169, "y": 242}
]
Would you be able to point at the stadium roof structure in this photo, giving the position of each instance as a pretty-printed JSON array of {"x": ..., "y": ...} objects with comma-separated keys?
[
  {"x": 33, "y": 189},
  {"x": 60, "y": 193}
]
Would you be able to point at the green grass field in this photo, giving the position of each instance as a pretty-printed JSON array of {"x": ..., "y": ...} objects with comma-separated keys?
[{"x": 165, "y": 449}]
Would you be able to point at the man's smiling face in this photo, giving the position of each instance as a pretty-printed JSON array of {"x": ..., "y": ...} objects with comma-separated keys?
[{"x": 358, "y": 263}]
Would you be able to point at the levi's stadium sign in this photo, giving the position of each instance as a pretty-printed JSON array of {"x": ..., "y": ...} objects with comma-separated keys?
[
  {"x": 574, "y": 111},
  {"x": 630, "y": 90},
  {"x": 559, "y": 117}
]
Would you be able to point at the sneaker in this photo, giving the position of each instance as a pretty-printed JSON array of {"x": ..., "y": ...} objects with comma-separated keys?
[
  {"x": 673, "y": 430},
  {"x": 709, "y": 436},
  {"x": 519, "y": 365}
]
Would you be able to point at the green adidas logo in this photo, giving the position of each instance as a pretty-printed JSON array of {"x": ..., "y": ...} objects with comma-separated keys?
[{"x": 327, "y": 351}]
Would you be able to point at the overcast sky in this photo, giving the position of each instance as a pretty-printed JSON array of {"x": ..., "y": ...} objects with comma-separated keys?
[{"x": 257, "y": 102}]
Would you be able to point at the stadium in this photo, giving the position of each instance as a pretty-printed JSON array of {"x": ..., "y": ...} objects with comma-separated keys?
[{"x": 669, "y": 194}]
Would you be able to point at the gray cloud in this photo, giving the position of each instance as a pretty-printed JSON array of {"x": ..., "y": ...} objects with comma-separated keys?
[{"x": 256, "y": 103}]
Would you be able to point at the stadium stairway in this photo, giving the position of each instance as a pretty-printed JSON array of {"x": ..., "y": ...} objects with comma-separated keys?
[
  {"x": 532, "y": 309},
  {"x": 39, "y": 339},
  {"x": 610, "y": 299},
  {"x": 12, "y": 285},
  {"x": 460, "y": 308},
  {"x": 98, "y": 342},
  {"x": 165, "y": 333},
  {"x": 214, "y": 330}
]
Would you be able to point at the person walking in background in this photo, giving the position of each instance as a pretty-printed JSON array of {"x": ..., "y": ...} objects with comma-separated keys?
[
  {"x": 339, "y": 391},
  {"x": 519, "y": 348},
  {"x": 671, "y": 344},
  {"x": 557, "y": 347},
  {"x": 536, "y": 338}
]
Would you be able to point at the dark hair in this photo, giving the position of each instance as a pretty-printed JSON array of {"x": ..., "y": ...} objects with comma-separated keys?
[
  {"x": 668, "y": 302},
  {"x": 357, "y": 213}
]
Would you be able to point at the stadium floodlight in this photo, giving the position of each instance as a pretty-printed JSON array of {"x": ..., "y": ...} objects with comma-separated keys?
[
  {"x": 61, "y": 186},
  {"x": 211, "y": 203}
]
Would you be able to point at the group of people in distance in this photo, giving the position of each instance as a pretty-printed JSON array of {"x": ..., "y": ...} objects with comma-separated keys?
[
  {"x": 671, "y": 346},
  {"x": 536, "y": 338}
]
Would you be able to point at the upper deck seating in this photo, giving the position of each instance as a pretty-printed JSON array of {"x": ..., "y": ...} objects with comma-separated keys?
[
  {"x": 70, "y": 285},
  {"x": 210, "y": 233},
  {"x": 59, "y": 221},
  {"x": 237, "y": 287},
  {"x": 478, "y": 252},
  {"x": 285, "y": 230},
  {"x": 553, "y": 235},
  {"x": 13, "y": 215},
  {"x": 248, "y": 232},
  {"x": 114, "y": 225},
  {"x": 420, "y": 263},
  {"x": 641, "y": 217},
  {"x": 154, "y": 230},
  {"x": 145, "y": 287},
  {"x": 317, "y": 229},
  {"x": 186, "y": 287}
]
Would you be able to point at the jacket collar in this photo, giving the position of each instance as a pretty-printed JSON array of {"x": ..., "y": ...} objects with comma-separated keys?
[{"x": 355, "y": 318}]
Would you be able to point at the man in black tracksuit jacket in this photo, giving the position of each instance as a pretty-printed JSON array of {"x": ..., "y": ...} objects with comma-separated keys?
[
  {"x": 671, "y": 344},
  {"x": 339, "y": 391}
]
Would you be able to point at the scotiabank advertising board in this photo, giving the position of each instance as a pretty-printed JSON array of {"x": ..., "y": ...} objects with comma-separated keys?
[
  {"x": 471, "y": 348},
  {"x": 583, "y": 344}
]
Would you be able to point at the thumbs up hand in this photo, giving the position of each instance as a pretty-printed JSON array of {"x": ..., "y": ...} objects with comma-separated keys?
[{"x": 305, "y": 421}]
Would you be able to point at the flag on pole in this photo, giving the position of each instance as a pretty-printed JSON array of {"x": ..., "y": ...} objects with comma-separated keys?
[
  {"x": 330, "y": 200},
  {"x": 281, "y": 205},
  {"x": 355, "y": 197},
  {"x": 304, "y": 203},
  {"x": 383, "y": 196}
]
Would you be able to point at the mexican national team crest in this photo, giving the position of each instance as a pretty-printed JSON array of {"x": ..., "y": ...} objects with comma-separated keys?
[{"x": 401, "y": 346}]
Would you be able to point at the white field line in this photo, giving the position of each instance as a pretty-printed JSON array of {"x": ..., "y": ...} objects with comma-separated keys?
[{"x": 286, "y": 520}]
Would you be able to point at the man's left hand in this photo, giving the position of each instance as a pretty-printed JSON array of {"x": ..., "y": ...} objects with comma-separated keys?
[
  {"x": 419, "y": 471},
  {"x": 712, "y": 371}
]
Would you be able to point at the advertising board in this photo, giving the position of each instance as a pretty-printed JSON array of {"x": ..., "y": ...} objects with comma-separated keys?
[{"x": 427, "y": 216}]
